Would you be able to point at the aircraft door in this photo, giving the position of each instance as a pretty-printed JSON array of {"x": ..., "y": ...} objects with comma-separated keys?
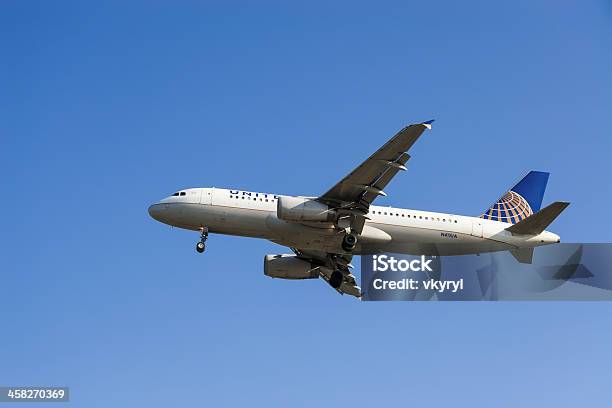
[
  {"x": 206, "y": 197},
  {"x": 477, "y": 228}
]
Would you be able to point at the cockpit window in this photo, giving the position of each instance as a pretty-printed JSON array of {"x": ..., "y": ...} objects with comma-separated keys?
[
  {"x": 175, "y": 194},
  {"x": 183, "y": 193}
]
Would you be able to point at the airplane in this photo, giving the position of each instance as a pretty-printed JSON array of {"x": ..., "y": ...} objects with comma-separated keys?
[{"x": 326, "y": 231}]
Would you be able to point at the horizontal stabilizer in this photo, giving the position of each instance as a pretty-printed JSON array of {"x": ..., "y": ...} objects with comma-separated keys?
[
  {"x": 523, "y": 255},
  {"x": 536, "y": 223}
]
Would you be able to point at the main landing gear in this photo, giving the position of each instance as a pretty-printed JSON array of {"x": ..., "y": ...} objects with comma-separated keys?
[
  {"x": 336, "y": 279},
  {"x": 348, "y": 242},
  {"x": 201, "y": 246}
]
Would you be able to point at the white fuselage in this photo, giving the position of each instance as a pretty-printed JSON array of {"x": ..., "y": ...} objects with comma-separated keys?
[{"x": 388, "y": 229}]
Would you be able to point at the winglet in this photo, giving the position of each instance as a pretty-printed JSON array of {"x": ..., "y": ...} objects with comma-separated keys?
[{"x": 428, "y": 123}]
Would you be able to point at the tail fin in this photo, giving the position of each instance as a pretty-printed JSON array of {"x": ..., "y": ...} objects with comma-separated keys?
[
  {"x": 540, "y": 220},
  {"x": 521, "y": 201}
]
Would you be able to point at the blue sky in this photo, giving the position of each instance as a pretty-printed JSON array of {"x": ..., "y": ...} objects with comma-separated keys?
[{"x": 106, "y": 108}]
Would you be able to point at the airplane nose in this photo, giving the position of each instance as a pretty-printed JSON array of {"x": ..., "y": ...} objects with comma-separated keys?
[{"x": 156, "y": 212}]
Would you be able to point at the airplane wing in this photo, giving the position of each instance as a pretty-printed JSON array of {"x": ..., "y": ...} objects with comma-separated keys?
[
  {"x": 328, "y": 263},
  {"x": 352, "y": 197},
  {"x": 358, "y": 190}
]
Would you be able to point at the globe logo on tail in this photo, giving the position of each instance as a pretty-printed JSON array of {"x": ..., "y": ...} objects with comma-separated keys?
[{"x": 511, "y": 208}]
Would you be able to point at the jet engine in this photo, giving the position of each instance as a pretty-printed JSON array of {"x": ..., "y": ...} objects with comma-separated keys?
[
  {"x": 287, "y": 266},
  {"x": 303, "y": 209}
]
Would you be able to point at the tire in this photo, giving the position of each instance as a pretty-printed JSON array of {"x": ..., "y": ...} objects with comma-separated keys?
[
  {"x": 348, "y": 242},
  {"x": 336, "y": 279},
  {"x": 200, "y": 247}
]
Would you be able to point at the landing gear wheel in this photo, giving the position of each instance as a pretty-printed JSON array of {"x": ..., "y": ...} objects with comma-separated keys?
[
  {"x": 348, "y": 242},
  {"x": 336, "y": 279},
  {"x": 200, "y": 246}
]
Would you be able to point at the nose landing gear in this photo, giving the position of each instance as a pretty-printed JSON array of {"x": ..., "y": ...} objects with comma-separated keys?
[{"x": 201, "y": 246}]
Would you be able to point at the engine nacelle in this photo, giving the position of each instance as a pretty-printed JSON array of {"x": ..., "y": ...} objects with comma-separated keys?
[
  {"x": 287, "y": 266},
  {"x": 302, "y": 209}
]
